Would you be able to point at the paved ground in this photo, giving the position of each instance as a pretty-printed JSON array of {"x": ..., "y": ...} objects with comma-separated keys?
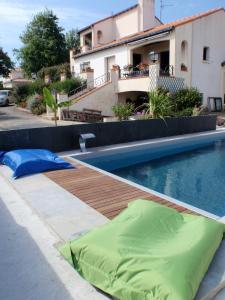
[
  {"x": 31, "y": 225},
  {"x": 24, "y": 271},
  {"x": 13, "y": 118}
]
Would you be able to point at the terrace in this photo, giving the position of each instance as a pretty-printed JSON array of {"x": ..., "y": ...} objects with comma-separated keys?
[
  {"x": 68, "y": 203},
  {"x": 150, "y": 67}
]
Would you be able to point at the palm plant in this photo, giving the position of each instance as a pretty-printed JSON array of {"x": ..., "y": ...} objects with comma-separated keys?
[
  {"x": 51, "y": 102},
  {"x": 158, "y": 105}
]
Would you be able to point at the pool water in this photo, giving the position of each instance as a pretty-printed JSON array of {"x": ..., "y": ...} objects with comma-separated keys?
[{"x": 196, "y": 177}]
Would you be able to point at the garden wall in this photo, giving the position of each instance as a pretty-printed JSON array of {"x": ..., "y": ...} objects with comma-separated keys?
[{"x": 66, "y": 137}]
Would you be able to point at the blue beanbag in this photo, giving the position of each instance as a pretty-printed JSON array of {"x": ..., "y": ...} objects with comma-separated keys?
[
  {"x": 1, "y": 155},
  {"x": 31, "y": 161}
]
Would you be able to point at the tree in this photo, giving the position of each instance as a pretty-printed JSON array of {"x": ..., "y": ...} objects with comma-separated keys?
[
  {"x": 73, "y": 40},
  {"x": 5, "y": 63},
  {"x": 44, "y": 43}
]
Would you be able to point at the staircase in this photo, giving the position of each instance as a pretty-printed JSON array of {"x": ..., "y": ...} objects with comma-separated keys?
[{"x": 90, "y": 86}]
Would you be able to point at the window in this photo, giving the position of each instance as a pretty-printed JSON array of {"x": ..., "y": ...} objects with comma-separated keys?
[
  {"x": 84, "y": 66},
  {"x": 206, "y": 53},
  {"x": 88, "y": 40},
  {"x": 184, "y": 55},
  {"x": 99, "y": 36}
]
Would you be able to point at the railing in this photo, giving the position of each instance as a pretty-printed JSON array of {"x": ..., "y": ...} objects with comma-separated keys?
[
  {"x": 78, "y": 90},
  {"x": 90, "y": 85},
  {"x": 167, "y": 71},
  {"x": 102, "y": 79},
  {"x": 126, "y": 74}
]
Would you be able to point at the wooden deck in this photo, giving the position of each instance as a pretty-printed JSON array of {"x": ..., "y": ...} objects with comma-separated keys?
[{"x": 107, "y": 195}]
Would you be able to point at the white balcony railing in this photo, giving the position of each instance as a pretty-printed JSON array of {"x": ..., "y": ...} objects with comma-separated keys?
[{"x": 149, "y": 79}]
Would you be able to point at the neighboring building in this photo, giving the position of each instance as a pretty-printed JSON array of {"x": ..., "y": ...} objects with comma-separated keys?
[
  {"x": 188, "y": 52},
  {"x": 15, "y": 78}
]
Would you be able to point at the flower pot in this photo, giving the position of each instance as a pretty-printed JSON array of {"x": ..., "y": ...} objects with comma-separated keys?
[{"x": 183, "y": 68}]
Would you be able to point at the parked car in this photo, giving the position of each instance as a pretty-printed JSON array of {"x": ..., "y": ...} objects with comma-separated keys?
[{"x": 5, "y": 97}]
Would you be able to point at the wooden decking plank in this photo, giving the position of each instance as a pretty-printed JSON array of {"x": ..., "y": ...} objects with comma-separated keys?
[{"x": 107, "y": 195}]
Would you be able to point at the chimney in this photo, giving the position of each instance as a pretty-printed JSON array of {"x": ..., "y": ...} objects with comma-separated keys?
[{"x": 146, "y": 14}]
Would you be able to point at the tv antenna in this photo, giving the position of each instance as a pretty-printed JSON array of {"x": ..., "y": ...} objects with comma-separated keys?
[{"x": 162, "y": 6}]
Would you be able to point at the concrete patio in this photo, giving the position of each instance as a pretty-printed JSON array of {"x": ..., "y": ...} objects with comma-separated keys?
[
  {"x": 32, "y": 225},
  {"x": 36, "y": 216}
]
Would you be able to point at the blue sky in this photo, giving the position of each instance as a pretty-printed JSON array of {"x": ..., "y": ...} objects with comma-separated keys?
[{"x": 15, "y": 14}]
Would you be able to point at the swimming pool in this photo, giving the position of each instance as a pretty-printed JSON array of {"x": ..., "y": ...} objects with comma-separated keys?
[{"x": 189, "y": 171}]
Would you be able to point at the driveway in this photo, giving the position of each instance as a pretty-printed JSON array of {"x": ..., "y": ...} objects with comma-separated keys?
[{"x": 13, "y": 118}]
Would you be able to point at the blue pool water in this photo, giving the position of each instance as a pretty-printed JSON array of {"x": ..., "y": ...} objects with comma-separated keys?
[{"x": 194, "y": 176}]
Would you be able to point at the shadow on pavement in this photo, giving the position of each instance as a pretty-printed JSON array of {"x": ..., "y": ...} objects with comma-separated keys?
[{"x": 24, "y": 271}]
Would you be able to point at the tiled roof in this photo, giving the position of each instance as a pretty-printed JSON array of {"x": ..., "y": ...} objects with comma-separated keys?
[{"x": 151, "y": 32}]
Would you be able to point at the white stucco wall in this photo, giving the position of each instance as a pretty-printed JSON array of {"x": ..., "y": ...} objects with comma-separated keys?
[
  {"x": 209, "y": 31},
  {"x": 101, "y": 99},
  {"x": 183, "y": 33},
  {"x": 134, "y": 20},
  {"x": 134, "y": 84},
  {"x": 123, "y": 55},
  {"x": 108, "y": 32},
  {"x": 126, "y": 24},
  {"x": 98, "y": 60}
]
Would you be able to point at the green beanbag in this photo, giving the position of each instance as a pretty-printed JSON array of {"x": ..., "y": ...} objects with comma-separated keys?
[{"x": 148, "y": 252}]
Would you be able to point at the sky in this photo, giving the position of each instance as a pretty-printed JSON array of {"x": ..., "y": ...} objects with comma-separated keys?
[{"x": 15, "y": 14}]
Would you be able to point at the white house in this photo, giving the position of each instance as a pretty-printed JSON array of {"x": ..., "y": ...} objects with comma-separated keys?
[
  {"x": 129, "y": 53},
  {"x": 16, "y": 77}
]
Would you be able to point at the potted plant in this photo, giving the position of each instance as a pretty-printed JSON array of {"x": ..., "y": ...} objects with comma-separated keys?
[
  {"x": 123, "y": 111},
  {"x": 142, "y": 66},
  {"x": 89, "y": 69},
  {"x": 128, "y": 67},
  {"x": 116, "y": 67}
]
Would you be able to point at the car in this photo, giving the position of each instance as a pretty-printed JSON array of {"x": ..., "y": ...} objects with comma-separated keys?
[{"x": 5, "y": 97}]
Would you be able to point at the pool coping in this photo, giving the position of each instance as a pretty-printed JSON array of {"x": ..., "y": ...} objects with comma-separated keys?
[{"x": 154, "y": 142}]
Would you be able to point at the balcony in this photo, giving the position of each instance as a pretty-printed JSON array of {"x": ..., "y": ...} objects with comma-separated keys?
[
  {"x": 149, "y": 79},
  {"x": 86, "y": 42}
]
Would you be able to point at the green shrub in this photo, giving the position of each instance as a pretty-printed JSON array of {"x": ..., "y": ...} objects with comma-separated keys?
[
  {"x": 123, "y": 111},
  {"x": 187, "y": 112},
  {"x": 185, "y": 99},
  {"x": 21, "y": 93},
  {"x": 200, "y": 111},
  {"x": 36, "y": 105},
  {"x": 54, "y": 72},
  {"x": 37, "y": 87},
  {"x": 66, "y": 86},
  {"x": 30, "y": 100}
]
